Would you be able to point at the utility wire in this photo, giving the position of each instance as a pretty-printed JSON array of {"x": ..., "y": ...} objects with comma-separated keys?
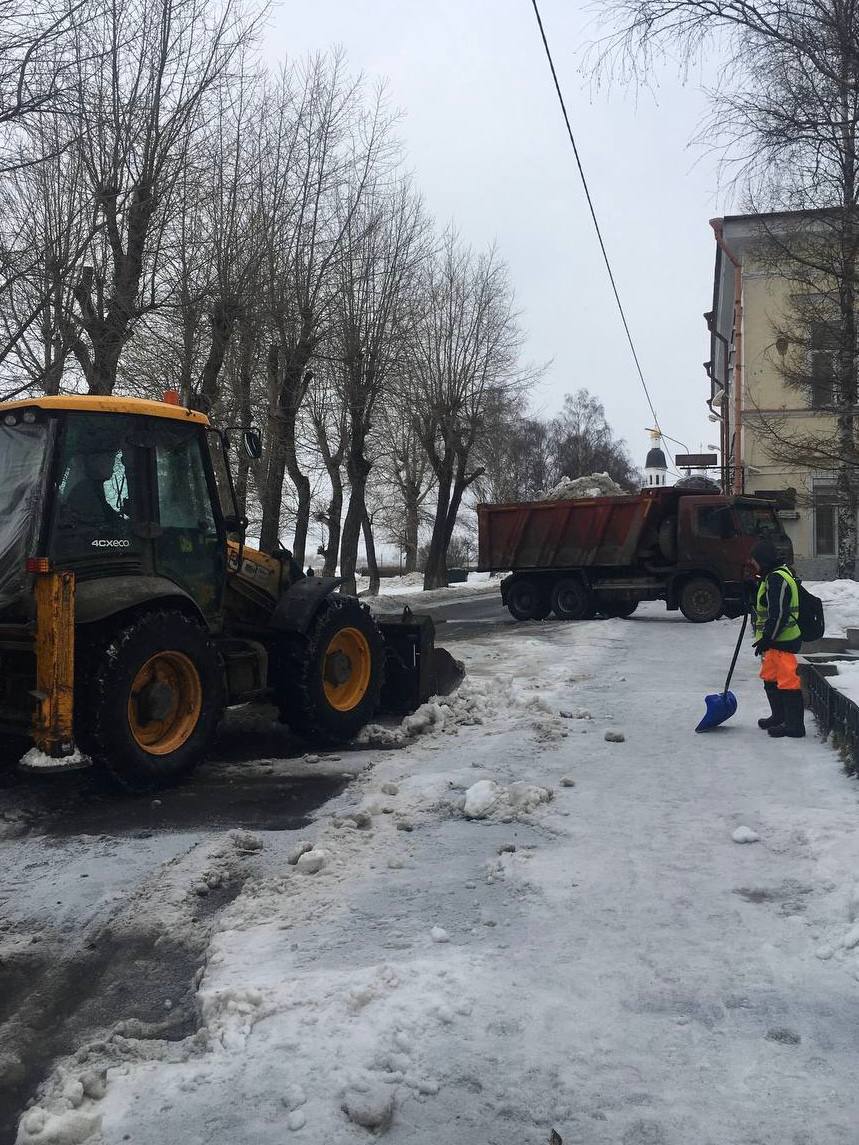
[{"x": 594, "y": 216}]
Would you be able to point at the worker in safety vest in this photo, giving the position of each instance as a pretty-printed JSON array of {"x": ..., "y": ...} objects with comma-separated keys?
[{"x": 777, "y": 640}]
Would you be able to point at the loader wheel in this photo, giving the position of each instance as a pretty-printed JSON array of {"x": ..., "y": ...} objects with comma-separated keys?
[
  {"x": 527, "y": 599},
  {"x": 701, "y": 600},
  {"x": 572, "y": 600},
  {"x": 151, "y": 700},
  {"x": 330, "y": 680}
]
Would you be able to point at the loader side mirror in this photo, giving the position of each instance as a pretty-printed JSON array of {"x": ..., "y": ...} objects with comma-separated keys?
[{"x": 252, "y": 441}]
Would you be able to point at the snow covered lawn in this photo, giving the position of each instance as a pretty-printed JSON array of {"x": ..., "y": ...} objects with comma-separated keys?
[
  {"x": 840, "y": 604},
  {"x": 511, "y": 925}
]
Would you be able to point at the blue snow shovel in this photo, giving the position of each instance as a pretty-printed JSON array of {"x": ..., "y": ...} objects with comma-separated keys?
[{"x": 722, "y": 705}]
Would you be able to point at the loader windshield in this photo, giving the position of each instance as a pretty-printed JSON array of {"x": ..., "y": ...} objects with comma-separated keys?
[{"x": 23, "y": 449}]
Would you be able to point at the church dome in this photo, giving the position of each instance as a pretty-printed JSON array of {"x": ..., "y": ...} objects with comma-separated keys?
[{"x": 655, "y": 459}]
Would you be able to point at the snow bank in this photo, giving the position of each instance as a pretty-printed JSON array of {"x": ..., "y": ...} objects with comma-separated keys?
[
  {"x": 593, "y": 485},
  {"x": 413, "y": 582},
  {"x": 840, "y": 603},
  {"x": 847, "y": 681}
]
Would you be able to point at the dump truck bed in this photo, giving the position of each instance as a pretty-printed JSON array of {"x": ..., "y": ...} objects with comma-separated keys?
[{"x": 597, "y": 531}]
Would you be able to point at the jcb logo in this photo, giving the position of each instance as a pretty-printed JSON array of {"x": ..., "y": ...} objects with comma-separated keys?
[{"x": 105, "y": 544}]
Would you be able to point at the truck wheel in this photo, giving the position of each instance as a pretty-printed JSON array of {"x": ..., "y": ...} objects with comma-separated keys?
[
  {"x": 330, "y": 680},
  {"x": 701, "y": 600},
  {"x": 619, "y": 608},
  {"x": 572, "y": 600},
  {"x": 150, "y": 701},
  {"x": 527, "y": 600}
]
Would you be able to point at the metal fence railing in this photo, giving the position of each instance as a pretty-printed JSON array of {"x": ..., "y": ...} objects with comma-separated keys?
[{"x": 836, "y": 715}]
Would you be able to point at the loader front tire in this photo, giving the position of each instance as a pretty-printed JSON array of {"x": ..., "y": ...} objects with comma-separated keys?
[
  {"x": 330, "y": 678},
  {"x": 150, "y": 701}
]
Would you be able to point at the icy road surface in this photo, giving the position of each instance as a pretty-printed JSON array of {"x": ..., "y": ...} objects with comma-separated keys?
[{"x": 506, "y": 924}]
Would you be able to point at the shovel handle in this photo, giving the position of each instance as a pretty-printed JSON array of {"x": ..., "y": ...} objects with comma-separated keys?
[{"x": 737, "y": 649}]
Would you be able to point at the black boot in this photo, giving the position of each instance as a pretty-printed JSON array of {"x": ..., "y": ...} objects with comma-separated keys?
[
  {"x": 776, "y": 707},
  {"x": 794, "y": 717}
]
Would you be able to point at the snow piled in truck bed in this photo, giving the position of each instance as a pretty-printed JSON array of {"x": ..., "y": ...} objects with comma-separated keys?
[{"x": 592, "y": 485}]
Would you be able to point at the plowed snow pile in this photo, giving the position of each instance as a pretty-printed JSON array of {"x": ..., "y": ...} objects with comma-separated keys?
[{"x": 592, "y": 485}]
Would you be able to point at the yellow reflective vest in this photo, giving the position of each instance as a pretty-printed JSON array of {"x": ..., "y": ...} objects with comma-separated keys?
[{"x": 790, "y": 631}]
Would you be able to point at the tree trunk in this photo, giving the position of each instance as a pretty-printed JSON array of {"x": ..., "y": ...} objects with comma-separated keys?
[
  {"x": 435, "y": 573},
  {"x": 370, "y": 546},
  {"x": 287, "y": 386},
  {"x": 335, "y": 521},
  {"x": 222, "y": 322},
  {"x": 358, "y": 469},
  {"x": 410, "y": 538}
]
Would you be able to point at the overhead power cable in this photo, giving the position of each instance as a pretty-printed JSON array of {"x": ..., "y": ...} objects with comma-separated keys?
[{"x": 594, "y": 215}]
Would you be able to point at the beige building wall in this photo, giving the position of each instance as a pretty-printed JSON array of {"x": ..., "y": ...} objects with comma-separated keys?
[{"x": 770, "y": 405}]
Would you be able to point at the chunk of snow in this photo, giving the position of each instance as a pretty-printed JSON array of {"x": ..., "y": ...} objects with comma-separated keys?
[
  {"x": 851, "y": 938},
  {"x": 246, "y": 842},
  {"x": 745, "y": 835},
  {"x": 71, "y": 1127},
  {"x": 439, "y": 934},
  {"x": 567, "y": 781},
  {"x": 295, "y": 853},
  {"x": 294, "y": 1096},
  {"x": 614, "y": 737},
  {"x": 373, "y": 1107},
  {"x": 312, "y": 861},
  {"x": 390, "y": 789},
  {"x": 480, "y": 799},
  {"x": 296, "y": 1119}
]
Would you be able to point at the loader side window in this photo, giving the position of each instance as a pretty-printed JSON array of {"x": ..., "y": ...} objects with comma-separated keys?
[
  {"x": 99, "y": 502},
  {"x": 188, "y": 548}
]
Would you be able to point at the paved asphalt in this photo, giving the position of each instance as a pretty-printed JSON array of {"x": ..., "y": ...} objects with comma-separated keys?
[{"x": 460, "y": 619}]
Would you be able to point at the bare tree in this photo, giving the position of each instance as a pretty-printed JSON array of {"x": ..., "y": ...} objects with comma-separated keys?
[
  {"x": 405, "y": 470},
  {"x": 324, "y": 143},
  {"x": 464, "y": 355},
  {"x": 134, "y": 113},
  {"x": 787, "y": 114},
  {"x": 329, "y": 419},
  {"x": 384, "y": 251}
]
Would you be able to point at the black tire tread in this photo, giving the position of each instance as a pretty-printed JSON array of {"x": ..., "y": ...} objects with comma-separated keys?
[
  {"x": 97, "y": 723},
  {"x": 299, "y": 662}
]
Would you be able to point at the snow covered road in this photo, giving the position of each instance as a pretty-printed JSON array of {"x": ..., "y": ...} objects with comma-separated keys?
[{"x": 587, "y": 950}]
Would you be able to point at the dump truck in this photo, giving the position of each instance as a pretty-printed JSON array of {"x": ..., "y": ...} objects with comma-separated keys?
[
  {"x": 132, "y": 612},
  {"x": 604, "y": 555}
]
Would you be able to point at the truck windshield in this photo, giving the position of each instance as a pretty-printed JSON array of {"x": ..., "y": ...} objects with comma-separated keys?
[
  {"x": 758, "y": 520},
  {"x": 22, "y": 460}
]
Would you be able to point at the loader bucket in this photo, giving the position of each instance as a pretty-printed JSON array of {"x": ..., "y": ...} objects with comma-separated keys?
[{"x": 414, "y": 668}]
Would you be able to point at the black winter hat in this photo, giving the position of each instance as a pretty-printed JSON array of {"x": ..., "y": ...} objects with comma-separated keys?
[{"x": 766, "y": 555}]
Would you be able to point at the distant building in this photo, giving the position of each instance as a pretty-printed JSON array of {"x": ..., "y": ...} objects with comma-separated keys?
[
  {"x": 747, "y": 386},
  {"x": 655, "y": 466}
]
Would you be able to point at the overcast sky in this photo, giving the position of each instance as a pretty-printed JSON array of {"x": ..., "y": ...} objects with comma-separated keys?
[{"x": 487, "y": 144}]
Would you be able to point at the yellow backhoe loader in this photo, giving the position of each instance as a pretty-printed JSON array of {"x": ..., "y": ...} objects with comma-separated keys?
[{"x": 132, "y": 612}]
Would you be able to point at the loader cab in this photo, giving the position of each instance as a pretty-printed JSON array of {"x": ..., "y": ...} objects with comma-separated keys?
[{"x": 115, "y": 495}]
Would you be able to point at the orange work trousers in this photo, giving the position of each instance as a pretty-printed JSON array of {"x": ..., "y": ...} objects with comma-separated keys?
[{"x": 779, "y": 668}]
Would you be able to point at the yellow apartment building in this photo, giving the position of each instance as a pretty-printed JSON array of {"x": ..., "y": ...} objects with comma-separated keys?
[{"x": 748, "y": 394}]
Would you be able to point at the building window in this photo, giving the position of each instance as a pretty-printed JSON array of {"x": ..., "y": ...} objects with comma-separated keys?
[
  {"x": 823, "y": 356},
  {"x": 825, "y": 522}
]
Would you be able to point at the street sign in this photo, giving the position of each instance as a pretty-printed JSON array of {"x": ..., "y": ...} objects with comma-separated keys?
[{"x": 696, "y": 460}]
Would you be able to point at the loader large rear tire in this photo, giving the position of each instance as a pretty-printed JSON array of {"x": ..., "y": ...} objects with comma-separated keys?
[
  {"x": 329, "y": 681},
  {"x": 149, "y": 699}
]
